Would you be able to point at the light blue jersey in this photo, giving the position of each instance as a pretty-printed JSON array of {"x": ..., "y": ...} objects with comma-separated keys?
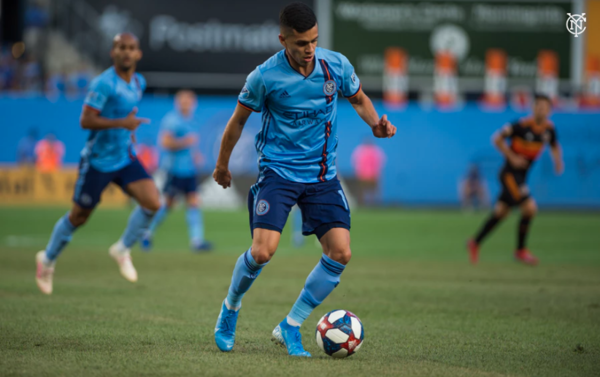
[
  {"x": 298, "y": 138},
  {"x": 180, "y": 162},
  {"x": 112, "y": 149}
]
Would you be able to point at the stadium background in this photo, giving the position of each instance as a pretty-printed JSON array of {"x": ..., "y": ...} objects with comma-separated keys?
[{"x": 410, "y": 263}]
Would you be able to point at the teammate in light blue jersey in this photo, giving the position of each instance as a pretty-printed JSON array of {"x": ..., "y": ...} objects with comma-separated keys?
[
  {"x": 109, "y": 112},
  {"x": 297, "y": 91},
  {"x": 179, "y": 138}
]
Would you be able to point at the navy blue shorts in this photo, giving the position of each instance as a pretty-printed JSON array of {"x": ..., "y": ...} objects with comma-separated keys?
[
  {"x": 180, "y": 185},
  {"x": 323, "y": 204},
  {"x": 92, "y": 182}
]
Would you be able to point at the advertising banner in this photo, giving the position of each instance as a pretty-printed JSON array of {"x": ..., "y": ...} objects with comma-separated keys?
[{"x": 363, "y": 30}]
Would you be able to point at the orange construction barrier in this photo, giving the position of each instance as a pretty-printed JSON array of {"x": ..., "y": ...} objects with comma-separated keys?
[
  {"x": 591, "y": 90},
  {"x": 495, "y": 78},
  {"x": 395, "y": 79},
  {"x": 547, "y": 75},
  {"x": 445, "y": 82}
]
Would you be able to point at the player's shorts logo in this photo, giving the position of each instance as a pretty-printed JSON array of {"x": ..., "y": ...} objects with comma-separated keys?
[
  {"x": 329, "y": 88},
  {"x": 262, "y": 207},
  {"x": 85, "y": 199}
]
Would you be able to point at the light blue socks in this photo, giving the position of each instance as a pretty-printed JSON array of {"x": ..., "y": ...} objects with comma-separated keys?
[
  {"x": 61, "y": 236},
  {"x": 158, "y": 218},
  {"x": 319, "y": 284},
  {"x": 245, "y": 272},
  {"x": 139, "y": 222},
  {"x": 195, "y": 222}
]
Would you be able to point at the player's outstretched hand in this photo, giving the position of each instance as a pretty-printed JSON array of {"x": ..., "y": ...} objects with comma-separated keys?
[
  {"x": 131, "y": 122},
  {"x": 222, "y": 177},
  {"x": 384, "y": 128}
]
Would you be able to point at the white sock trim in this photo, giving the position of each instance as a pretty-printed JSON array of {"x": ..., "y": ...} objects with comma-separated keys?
[
  {"x": 229, "y": 307},
  {"x": 291, "y": 322}
]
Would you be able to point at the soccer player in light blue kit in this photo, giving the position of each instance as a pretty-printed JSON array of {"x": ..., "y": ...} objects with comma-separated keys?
[
  {"x": 109, "y": 112},
  {"x": 296, "y": 90},
  {"x": 179, "y": 137}
]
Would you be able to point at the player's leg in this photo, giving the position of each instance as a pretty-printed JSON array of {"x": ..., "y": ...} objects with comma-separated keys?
[
  {"x": 134, "y": 180},
  {"x": 501, "y": 209},
  {"x": 159, "y": 217},
  {"x": 269, "y": 203},
  {"x": 326, "y": 214},
  {"x": 297, "y": 236},
  {"x": 510, "y": 196},
  {"x": 89, "y": 187},
  {"x": 528, "y": 212},
  {"x": 195, "y": 217}
]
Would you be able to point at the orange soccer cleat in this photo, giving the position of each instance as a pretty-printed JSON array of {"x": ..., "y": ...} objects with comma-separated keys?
[
  {"x": 473, "y": 248},
  {"x": 525, "y": 256}
]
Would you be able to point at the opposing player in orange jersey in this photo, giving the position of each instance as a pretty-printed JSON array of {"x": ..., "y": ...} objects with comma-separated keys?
[{"x": 528, "y": 136}]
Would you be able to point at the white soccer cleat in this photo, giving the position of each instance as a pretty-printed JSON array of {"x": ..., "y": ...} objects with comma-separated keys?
[
  {"x": 44, "y": 273},
  {"x": 122, "y": 255}
]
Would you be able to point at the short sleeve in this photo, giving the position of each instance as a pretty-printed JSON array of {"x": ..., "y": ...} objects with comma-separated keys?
[
  {"x": 253, "y": 94},
  {"x": 350, "y": 82},
  {"x": 98, "y": 94}
]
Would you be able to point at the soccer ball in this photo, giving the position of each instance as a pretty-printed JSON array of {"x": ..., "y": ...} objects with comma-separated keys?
[{"x": 339, "y": 333}]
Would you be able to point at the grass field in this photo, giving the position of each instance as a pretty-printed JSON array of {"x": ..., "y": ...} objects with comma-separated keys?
[{"x": 426, "y": 311}]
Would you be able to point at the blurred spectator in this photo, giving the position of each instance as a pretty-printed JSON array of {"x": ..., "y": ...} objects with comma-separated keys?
[
  {"x": 368, "y": 161},
  {"x": 26, "y": 148},
  {"x": 8, "y": 69},
  {"x": 49, "y": 153},
  {"x": 473, "y": 190},
  {"x": 31, "y": 74},
  {"x": 36, "y": 15},
  {"x": 147, "y": 154},
  {"x": 56, "y": 84},
  {"x": 78, "y": 80}
]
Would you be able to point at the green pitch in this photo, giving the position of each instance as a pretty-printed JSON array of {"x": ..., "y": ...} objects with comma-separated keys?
[{"x": 426, "y": 311}]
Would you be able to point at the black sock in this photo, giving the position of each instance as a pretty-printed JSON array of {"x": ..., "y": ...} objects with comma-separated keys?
[
  {"x": 487, "y": 227},
  {"x": 523, "y": 230}
]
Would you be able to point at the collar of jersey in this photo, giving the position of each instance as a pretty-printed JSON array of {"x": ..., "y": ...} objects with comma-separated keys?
[{"x": 287, "y": 59}]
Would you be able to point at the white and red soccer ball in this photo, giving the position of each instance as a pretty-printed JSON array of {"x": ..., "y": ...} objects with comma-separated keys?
[{"x": 340, "y": 333}]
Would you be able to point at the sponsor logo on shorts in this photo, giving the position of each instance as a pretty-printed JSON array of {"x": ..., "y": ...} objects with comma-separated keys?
[{"x": 262, "y": 207}]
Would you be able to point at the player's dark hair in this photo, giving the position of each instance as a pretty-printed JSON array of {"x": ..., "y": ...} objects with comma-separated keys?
[
  {"x": 297, "y": 16},
  {"x": 541, "y": 96}
]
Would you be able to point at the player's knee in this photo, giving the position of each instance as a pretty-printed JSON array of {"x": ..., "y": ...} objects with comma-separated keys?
[
  {"x": 152, "y": 205},
  {"x": 262, "y": 253},
  {"x": 530, "y": 210},
  {"x": 340, "y": 254},
  {"x": 78, "y": 219}
]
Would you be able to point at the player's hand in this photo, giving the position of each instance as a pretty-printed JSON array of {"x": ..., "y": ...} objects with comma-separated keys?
[
  {"x": 384, "y": 128},
  {"x": 222, "y": 176},
  {"x": 559, "y": 167},
  {"x": 131, "y": 122},
  {"x": 517, "y": 161}
]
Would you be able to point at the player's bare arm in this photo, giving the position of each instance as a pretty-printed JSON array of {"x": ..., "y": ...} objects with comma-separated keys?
[
  {"x": 381, "y": 127},
  {"x": 170, "y": 142},
  {"x": 499, "y": 140},
  {"x": 232, "y": 134},
  {"x": 556, "y": 152},
  {"x": 91, "y": 120}
]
